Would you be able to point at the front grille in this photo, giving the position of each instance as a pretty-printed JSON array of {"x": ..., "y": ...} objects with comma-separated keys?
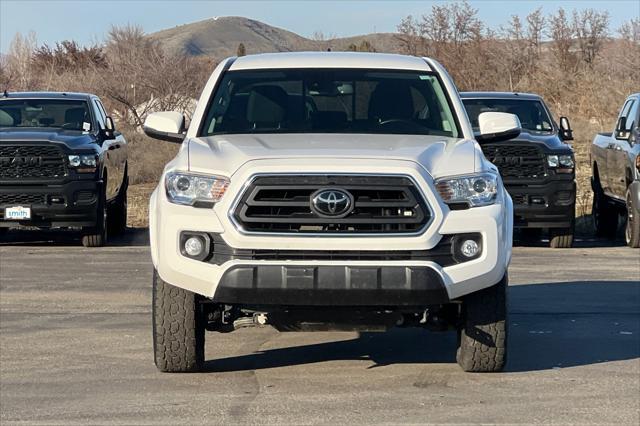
[
  {"x": 22, "y": 199},
  {"x": 442, "y": 254},
  {"x": 517, "y": 161},
  {"x": 381, "y": 205},
  {"x": 520, "y": 199},
  {"x": 31, "y": 162}
]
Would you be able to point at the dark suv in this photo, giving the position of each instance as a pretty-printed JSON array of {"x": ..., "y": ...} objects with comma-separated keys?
[
  {"x": 62, "y": 165},
  {"x": 537, "y": 167}
]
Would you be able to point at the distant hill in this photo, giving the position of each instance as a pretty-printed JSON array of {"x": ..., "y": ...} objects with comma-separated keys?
[{"x": 220, "y": 37}]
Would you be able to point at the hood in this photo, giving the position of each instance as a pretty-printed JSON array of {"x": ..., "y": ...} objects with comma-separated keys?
[
  {"x": 225, "y": 154},
  {"x": 549, "y": 141},
  {"x": 72, "y": 139}
]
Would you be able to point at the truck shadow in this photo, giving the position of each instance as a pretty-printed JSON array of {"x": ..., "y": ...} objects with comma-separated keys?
[
  {"x": 136, "y": 237},
  {"x": 552, "y": 325}
]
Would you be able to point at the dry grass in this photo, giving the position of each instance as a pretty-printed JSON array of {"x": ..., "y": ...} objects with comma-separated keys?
[{"x": 138, "y": 214}]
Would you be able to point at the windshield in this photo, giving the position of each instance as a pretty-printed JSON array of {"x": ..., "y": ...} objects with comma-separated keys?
[
  {"x": 330, "y": 101},
  {"x": 532, "y": 114},
  {"x": 61, "y": 113}
]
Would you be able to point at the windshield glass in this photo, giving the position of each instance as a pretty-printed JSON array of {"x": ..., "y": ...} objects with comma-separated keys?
[
  {"x": 330, "y": 101},
  {"x": 61, "y": 113},
  {"x": 532, "y": 114}
]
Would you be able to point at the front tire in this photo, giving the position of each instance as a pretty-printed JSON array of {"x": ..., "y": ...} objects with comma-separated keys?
[
  {"x": 561, "y": 237},
  {"x": 632, "y": 230},
  {"x": 97, "y": 237},
  {"x": 604, "y": 214},
  {"x": 178, "y": 328},
  {"x": 483, "y": 332},
  {"x": 119, "y": 210}
]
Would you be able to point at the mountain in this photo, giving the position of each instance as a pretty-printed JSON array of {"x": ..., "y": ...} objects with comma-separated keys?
[{"x": 220, "y": 37}]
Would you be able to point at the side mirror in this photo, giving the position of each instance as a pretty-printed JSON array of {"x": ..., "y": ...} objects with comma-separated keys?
[
  {"x": 166, "y": 126},
  {"x": 109, "y": 131},
  {"x": 566, "y": 134},
  {"x": 498, "y": 126},
  {"x": 621, "y": 133}
]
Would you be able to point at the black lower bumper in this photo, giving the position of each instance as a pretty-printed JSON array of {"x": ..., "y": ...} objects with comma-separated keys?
[
  {"x": 73, "y": 204},
  {"x": 549, "y": 205},
  {"x": 328, "y": 285}
]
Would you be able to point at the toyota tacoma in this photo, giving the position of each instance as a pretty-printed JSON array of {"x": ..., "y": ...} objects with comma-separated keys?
[
  {"x": 62, "y": 165},
  {"x": 537, "y": 167},
  {"x": 329, "y": 190},
  {"x": 615, "y": 162}
]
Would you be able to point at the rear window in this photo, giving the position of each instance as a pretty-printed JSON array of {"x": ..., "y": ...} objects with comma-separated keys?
[
  {"x": 532, "y": 113},
  {"x": 330, "y": 101},
  {"x": 57, "y": 113}
]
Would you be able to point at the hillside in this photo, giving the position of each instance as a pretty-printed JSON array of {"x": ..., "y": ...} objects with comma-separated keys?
[{"x": 220, "y": 37}]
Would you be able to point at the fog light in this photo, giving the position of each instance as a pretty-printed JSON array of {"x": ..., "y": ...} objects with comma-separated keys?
[
  {"x": 194, "y": 246},
  {"x": 469, "y": 248}
]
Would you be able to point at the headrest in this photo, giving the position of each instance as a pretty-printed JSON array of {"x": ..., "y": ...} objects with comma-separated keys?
[
  {"x": 391, "y": 100},
  {"x": 6, "y": 119},
  {"x": 267, "y": 105},
  {"x": 75, "y": 115}
]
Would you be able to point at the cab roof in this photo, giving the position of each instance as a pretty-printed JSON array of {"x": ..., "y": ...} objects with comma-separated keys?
[
  {"x": 47, "y": 95},
  {"x": 330, "y": 60},
  {"x": 499, "y": 95}
]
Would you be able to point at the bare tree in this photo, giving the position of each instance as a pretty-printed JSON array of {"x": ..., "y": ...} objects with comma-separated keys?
[
  {"x": 562, "y": 35},
  {"x": 19, "y": 60},
  {"x": 591, "y": 30},
  {"x": 408, "y": 35}
]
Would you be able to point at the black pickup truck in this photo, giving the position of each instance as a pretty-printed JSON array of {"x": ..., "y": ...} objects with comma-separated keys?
[
  {"x": 537, "y": 167},
  {"x": 62, "y": 165},
  {"x": 615, "y": 162}
]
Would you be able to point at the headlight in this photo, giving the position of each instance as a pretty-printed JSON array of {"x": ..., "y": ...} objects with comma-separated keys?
[
  {"x": 566, "y": 161},
  {"x": 189, "y": 189},
  {"x": 476, "y": 190},
  {"x": 83, "y": 162},
  {"x": 555, "y": 161}
]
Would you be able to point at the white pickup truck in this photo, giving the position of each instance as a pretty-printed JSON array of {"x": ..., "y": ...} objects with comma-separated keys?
[{"x": 330, "y": 191}]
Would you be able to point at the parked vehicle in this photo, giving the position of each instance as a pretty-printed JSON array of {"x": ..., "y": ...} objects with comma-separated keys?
[
  {"x": 330, "y": 190},
  {"x": 537, "y": 167},
  {"x": 62, "y": 165},
  {"x": 615, "y": 161}
]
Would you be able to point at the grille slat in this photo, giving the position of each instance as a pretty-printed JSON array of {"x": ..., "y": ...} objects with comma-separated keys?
[
  {"x": 22, "y": 199},
  {"x": 517, "y": 161},
  {"x": 382, "y": 204},
  {"x": 31, "y": 162}
]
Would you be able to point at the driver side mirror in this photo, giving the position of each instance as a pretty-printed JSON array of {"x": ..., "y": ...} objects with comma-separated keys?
[
  {"x": 566, "y": 134},
  {"x": 166, "y": 126},
  {"x": 109, "y": 131},
  {"x": 621, "y": 132},
  {"x": 498, "y": 126}
]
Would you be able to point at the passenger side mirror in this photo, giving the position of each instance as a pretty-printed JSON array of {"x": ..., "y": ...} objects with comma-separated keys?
[
  {"x": 566, "y": 134},
  {"x": 166, "y": 126},
  {"x": 109, "y": 128},
  {"x": 621, "y": 133},
  {"x": 498, "y": 126}
]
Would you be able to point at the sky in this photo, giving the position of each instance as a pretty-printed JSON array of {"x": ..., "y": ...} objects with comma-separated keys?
[{"x": 88, "y": 21}]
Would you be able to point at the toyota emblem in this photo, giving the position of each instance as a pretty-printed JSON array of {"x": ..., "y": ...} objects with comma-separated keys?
[{"x": 331, "y": 202}]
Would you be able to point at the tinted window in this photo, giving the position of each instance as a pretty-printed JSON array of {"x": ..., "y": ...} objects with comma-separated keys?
[
  {"x": 630, "y": 111},
  {"x": 100, "y": 115},
  {"x": 532, "y": 114},
  {"x": 64, "y": 114},
  {"x": 330, "y": 101}
]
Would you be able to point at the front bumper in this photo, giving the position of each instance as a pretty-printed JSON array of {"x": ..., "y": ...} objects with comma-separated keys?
[
  {"x": 71, "y": 204},
  {"x": 543, "y": 205},
  {"x": 328, "y": 282}
]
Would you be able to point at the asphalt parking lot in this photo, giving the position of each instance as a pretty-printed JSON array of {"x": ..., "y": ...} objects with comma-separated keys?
[{"x": 75, "y": 348}]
